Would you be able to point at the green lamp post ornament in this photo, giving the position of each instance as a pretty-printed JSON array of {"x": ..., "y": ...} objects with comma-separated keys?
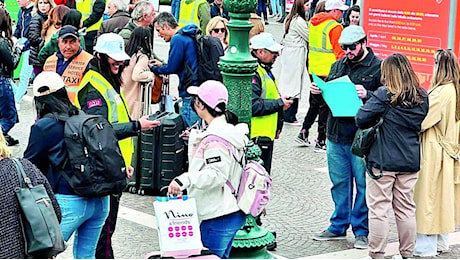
[{"x": 238, "y": 68}]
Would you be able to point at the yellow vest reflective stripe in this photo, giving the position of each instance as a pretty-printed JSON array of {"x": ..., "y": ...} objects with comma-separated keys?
[
  {"x": 189, "y": 13},
  {"x": 117, "y": 108},
  {"x": 266, "y": 125},
  {"x": 73, "y": 74},
  {"x": 321, "y": 56},
  {"x": 86, "y": 8}
]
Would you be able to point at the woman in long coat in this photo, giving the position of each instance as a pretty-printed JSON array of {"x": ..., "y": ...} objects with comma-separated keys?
[
  {"x": 293, "y": 71},
  {"x": 438, "y": 187}
]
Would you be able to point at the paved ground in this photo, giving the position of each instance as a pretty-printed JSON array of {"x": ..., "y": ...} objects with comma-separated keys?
[{"x": 300, "y": 207}]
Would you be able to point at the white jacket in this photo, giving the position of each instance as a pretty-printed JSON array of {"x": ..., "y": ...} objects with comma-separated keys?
[{"x": 211, "y": 164}]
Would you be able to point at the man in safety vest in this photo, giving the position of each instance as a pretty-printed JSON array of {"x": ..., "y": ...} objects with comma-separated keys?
[
  {"x": 267, "y": 105},
  {"x": 100, "y": 94},
  {"x": 92, "y": 12},
  {"x": 194, "y": 12},
  {"x": 324, "y": 49},
  {"x": 71, "y": 61}
]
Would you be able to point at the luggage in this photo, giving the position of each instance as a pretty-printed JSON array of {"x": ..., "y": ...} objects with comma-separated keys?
[
  {"x": 205, "y": 254},
  {"x": 160, "y": 151},
  {"x": 161, "y": 155}
]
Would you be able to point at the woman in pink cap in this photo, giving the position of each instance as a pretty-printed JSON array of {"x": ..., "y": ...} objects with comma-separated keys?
[{"x": 212, "y": 165}]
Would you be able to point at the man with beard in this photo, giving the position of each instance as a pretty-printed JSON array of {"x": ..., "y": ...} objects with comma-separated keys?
[
  {"x": 363, "y": 69},
  {"x": 182, "y": 59}
]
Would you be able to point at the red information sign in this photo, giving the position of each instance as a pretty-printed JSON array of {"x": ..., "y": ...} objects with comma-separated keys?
[{"x": 414, "y": 28}]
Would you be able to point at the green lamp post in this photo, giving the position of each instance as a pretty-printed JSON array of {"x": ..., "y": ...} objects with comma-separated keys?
[{"x": 238, "y": 68}]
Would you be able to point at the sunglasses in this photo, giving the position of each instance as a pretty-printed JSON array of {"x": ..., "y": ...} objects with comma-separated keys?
[
  {"x": 217, "y": 30},
  {"x": 352, "y": 47}
]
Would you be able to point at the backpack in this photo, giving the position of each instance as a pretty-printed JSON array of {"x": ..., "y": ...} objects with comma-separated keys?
[
  {"x": 208, "y": 50},
  {"x": 253, "y": 193},
  {"x": 94, "y": 154}
]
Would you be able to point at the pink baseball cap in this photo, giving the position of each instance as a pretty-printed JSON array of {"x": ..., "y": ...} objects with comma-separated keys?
[{"x": 212, "y": 92}]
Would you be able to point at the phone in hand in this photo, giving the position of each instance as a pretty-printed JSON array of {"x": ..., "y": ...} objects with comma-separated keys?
[
  {"x": 159, "y": 116},
  {"x": 293, "y": 97}
]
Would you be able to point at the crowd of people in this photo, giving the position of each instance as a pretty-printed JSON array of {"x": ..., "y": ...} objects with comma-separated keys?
[{"x": 77, "y": 61}]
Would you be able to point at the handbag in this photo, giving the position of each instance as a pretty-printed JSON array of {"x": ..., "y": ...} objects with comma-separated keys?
[
  {"x": 364, "y": 141},
  {"x": 157, "y": 89},
  {"x": 178, "y": 226},
  {"x": 40, "y": 225}
]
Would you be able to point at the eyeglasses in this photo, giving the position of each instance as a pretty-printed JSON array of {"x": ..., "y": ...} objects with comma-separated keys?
[
  {"x": 352, "y": 47},
  {"x": 217, "y": 30}
]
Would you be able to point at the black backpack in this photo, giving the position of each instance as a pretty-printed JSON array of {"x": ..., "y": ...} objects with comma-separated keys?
[
  {"x": 94, "y": 154},
  {"x": 208, "y": 50}
]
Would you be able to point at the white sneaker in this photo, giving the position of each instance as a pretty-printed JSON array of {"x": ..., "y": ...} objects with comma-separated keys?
[{"x": 18, "y": 106}]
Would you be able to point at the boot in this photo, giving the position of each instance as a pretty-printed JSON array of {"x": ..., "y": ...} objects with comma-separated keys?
[{"x": 10, "y": 141}]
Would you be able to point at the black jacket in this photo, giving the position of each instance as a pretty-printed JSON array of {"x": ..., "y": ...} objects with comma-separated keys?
[
  {"x": 96, "y": 14},
  {"x": 22, "y": 26},
  {"x": 88, "y": 93},
  {"x": 34, "y": 35},
  {"x": 9, "y": 59},
  {"x": 399, "y": 131},
  {"x": 367, "y": 73}
]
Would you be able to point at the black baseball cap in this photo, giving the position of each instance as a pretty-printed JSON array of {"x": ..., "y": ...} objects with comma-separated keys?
[{"x": 68, "y": 30}]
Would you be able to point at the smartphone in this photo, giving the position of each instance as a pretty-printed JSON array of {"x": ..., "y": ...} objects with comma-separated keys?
[
  {"x": 159, "y": 116},
  {"x": 291, "y": 98}
]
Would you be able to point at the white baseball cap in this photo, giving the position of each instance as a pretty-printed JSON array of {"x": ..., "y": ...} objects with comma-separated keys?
[
  {"x": 113, "y": 45},
  {"x": 46, "y": 83},
  {"x": 265, "y": 40},
  {"x": 335, "y": 4}
]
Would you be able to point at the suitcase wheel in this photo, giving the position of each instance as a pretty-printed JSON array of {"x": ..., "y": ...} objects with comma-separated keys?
[
  {"x": 141, "y": 192},
  {"x": 132, "y": 190}
]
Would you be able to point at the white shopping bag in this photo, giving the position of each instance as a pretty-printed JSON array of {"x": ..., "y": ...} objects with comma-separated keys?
[{"x": 178, "y": 226}]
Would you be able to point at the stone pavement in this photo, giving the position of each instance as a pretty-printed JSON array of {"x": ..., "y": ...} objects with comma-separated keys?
[{"x": 300, "y": 207}]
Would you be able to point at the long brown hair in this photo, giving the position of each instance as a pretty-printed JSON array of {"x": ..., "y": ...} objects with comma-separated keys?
[
  {"x": 446, "y": 70},
  {"x": 55, "y": 16},
  {"x": 401, "y": 81},
  {"x": 298, "y": 9},
  {"x": 5, "y": 26}
]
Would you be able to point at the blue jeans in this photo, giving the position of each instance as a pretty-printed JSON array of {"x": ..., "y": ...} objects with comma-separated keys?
[
  {"x": 26, "y": 72},
  {"x": 345, "y": 171},
  {"x": 217, "y": 234},
  {"x": 276, "y": 7},
  {"x": 8, "y": 113},
  {"x": 85, "y": 217},
  {"x": 188, "y": 115},
  {"x": 175, "y": 9}
]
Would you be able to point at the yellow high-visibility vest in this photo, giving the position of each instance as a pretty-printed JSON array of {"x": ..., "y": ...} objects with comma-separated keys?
[
  {"x": 116, "y": 105},
  {"x": 321, "y": 56},
  {"x": 266, "y": 125},
  {"x": 86, "y": 8},
  {"x": 189, "y": 13}
]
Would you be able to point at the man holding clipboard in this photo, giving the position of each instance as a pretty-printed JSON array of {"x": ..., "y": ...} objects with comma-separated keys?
[{"x": 345, "y": 169}]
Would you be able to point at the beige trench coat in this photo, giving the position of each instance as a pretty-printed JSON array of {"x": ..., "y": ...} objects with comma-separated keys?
[{"x": 438, "y": 187}]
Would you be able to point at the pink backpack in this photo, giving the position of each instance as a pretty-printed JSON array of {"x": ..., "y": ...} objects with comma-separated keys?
[{"x": 253, "y": 193}]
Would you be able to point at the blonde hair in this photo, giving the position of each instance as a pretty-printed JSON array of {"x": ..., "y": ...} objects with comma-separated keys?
[
  {"x": 446, "y": 70},
  {"x": 35, "y": 9},
  {"x": 258, "y": 25},
  {"x": 4, "y": 150},
  {"x": 400, "y": 79},
  {"x": 213, "y": 23}
]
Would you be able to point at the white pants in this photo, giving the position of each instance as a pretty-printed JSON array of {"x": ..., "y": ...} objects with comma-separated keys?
[{"x": 429, "y": 245}]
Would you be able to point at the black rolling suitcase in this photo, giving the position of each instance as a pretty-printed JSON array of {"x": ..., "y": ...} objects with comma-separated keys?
[{"x": 161, "y": 155}]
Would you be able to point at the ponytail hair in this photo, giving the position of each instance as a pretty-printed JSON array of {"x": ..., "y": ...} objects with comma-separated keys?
[{"x": 221, "y": 109}]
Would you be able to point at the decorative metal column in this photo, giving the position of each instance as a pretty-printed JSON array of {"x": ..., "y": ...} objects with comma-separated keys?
[{"x": 238, "y": 66}]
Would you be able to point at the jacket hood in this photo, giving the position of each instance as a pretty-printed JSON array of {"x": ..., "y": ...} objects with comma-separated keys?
[
  {"x": 406, "y": 117},
  {"x": 321, "y": 17},
  {"x": 235, "y": 134},
  {"x": 189, "y": 29}
]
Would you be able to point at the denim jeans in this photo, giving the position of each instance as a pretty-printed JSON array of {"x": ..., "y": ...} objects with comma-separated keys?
[
  {"x": 347, "y": 170},
  {"x": 276, "y": 7},
  {"x": 26, "y": 72},
  {"x": 262, "y": 9},
  {"x": 85, "y": 217},
  {"x": 187, "y": 113},
  {"x": 8, "y": 113},
  {"x": 217, "y": 234},
  {"x": 175, "y": 9}
]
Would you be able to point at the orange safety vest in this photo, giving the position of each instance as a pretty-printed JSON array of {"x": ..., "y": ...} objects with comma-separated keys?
[{"x": 73, "y": 73}]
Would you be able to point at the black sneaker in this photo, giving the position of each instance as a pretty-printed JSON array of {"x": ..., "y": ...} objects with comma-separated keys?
[
  {"x": 327, "y": 235},
  {"x": 302, "y": 138},
  {"x": 320, "y": 147},
  {"x": 10, "y": 141}
]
